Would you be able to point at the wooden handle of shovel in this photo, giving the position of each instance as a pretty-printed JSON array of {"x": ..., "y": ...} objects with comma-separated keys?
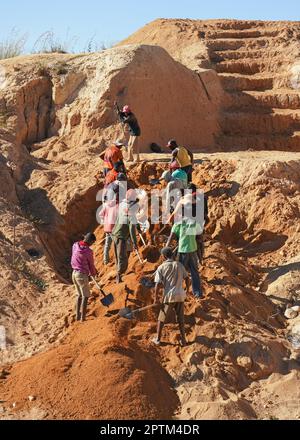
[
  {"x": 139, "y": 257},
  {"x": 98, "y": 285},
  {"x": 142, "y": 238},
  {"x": 144, "y": 308}
]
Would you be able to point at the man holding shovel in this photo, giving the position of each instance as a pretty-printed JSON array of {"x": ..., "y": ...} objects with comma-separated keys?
[
  {"x": 176, "y": 184},
  {"x": 170, "y": 276},
  {"x": 82, "y": 263},
  {"x": 125, "y": 229},
  {"x": 128, "y": 118}
]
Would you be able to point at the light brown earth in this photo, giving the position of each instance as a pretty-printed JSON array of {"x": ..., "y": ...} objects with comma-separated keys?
[
  {"x": 56, "y": 115},
  {"x": 258, "y": 65}
]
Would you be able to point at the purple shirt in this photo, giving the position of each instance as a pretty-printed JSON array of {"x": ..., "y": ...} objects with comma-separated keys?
[{"x": 83, "y": 259}]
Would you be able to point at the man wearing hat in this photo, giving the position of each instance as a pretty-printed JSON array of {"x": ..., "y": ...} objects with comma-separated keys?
[
  {"x": 83, "y": 266},
  {"x": 176, "y": 184},
  {"x": 128, "y": 118},
  {"x": 112, "y": 155}
]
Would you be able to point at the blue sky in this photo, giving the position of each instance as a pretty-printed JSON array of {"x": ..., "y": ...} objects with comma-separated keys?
[{"x": 111, "y": 21}]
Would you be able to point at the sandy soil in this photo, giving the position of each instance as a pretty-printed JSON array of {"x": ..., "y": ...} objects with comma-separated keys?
[{"x": 56, "y": 116}]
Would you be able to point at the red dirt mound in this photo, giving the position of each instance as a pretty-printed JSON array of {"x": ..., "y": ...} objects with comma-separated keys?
[{"x": 95, "y": 374}]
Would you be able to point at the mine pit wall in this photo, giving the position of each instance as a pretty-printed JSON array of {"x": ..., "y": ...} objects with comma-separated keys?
[
  {"x": 60, "y": 231},
  {"x": 79, "y": 219},
  {"x": 34, "y": 105},
  {"x": 257, "y": 64},
  {"x": 175, "y": 101}
]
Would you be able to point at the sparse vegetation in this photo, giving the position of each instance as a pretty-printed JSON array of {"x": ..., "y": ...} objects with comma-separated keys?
[
  {"x": 13, "y": 45},
  {"x": 48, "y": 42},
  {"x": 94, "y": 46},
  {"x": 39, "y": 283}
]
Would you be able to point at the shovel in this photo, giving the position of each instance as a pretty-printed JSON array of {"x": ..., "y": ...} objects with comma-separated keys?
[
  {"x": 108, "y": 298},
  {"x": 142, "y": 238},
  {"x": 154, "y": 182},
  {"x": 129, "y": 314},
  {"x": 147, "y": 282},
  {"x": 138, "y": 254},
  {"x": 139, "y": 257}
]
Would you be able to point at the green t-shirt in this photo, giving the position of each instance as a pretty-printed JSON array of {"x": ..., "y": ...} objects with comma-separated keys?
[{"x": 186, "y": 233}]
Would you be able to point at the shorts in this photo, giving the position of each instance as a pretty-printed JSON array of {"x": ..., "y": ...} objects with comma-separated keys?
[{"x": 178, "y": 307}]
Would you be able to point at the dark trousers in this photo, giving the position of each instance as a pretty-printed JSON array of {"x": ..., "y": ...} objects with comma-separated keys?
[
  {"x": 190, "y": 262},
  {"x": 189, "y": 171},
  {"x": 121, "y": 255}
]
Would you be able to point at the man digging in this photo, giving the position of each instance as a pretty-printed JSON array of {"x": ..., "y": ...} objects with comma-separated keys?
[
  {"x": 83, "y": 266},
  {"x": 170, "y": 276},
  {"x": 128, "y": 118}
]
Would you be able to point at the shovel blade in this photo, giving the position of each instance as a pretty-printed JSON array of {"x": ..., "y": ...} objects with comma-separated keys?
[
  {"x": 154, "y": 181},
  {"x": 147, "y": 283},
  {"x": 107, "y": 300},
  {"x": 126, "y": 312}
]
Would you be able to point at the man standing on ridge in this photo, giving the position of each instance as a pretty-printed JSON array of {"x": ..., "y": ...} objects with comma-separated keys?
[
  {"x": 83, "y": 266},
  {"x": 127, "y": 117}
]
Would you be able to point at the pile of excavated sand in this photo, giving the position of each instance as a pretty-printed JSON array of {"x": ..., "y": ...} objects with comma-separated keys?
[{"x": 96, "y": 373}]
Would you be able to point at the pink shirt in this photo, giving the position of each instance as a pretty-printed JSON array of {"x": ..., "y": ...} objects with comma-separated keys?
[
  {"x": 83, "y": 259},
  {"x": 109, "y": 214}
]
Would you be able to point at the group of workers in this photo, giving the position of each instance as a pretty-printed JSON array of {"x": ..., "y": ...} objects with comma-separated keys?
[{"x": 124, "y": 216}]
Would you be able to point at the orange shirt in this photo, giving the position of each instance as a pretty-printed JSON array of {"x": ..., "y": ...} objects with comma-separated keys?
[
  {"x": 112, "y": 155},
  {"x": 110, "y": 177}
]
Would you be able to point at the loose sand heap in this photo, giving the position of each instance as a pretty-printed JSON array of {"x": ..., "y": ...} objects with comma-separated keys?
[
  {"x": 94, "y": 374},
  {"x": 56, "y": 113}
]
